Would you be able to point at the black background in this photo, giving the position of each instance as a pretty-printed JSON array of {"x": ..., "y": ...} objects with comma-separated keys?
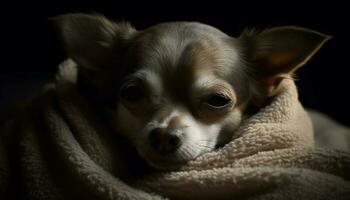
[{"x": 31, "y": 51}]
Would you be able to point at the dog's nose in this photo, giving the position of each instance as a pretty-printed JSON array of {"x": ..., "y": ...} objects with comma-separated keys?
[{"x": 164, "y": 141}]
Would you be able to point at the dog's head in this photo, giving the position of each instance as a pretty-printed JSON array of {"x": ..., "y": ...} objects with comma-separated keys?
[{"x": 177, "y": 90}]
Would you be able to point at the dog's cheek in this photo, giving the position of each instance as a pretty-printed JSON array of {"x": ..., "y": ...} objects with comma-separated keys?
[{"x": 229, "y": 126}]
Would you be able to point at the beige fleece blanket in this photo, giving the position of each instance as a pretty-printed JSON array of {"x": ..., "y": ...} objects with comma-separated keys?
[{"x": 59, "y": 149}]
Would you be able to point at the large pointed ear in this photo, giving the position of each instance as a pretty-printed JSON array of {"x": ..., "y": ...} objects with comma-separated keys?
[
  {"x": 92, "y": 41},
  {"x": 277, "y": 52}
]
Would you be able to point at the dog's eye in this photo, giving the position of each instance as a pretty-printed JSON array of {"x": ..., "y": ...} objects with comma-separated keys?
[
  {"x": 132, "y": 93},
  {"x": 218, "y": 101}
]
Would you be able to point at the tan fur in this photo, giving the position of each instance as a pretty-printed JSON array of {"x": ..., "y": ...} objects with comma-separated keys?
[{"x": 179, "y": 66}]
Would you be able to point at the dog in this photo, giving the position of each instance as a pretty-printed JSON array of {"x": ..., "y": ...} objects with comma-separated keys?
[{"x": 180, "y": 89}]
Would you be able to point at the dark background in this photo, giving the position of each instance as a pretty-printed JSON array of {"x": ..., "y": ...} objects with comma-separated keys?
[{"x": 31, "y": 51}]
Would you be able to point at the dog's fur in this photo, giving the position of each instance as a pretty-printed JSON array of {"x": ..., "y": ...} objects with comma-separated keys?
[{"x": 185, "y": 82}]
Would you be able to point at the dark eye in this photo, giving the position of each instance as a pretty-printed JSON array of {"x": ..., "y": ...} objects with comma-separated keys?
[
  {"x": 218, "y": 101},
  {"x": 132, "y": 93}
]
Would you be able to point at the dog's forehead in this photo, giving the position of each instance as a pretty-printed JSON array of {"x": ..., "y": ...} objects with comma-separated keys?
[
  {"x": 189, "y": 29},
  {"x": 175, "y": 55},
  {"x": 181, "y": 46}
]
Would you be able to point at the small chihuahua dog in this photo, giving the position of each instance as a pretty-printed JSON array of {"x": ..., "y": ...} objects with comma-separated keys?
[{"x": 177, "y": 90}]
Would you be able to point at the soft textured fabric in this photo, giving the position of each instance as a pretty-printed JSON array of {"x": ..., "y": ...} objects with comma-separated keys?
[
  {"x": 329, "y": 133},
  {"x": 59, "y": 149}
]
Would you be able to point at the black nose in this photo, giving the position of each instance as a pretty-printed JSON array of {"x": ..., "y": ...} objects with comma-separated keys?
[{"x": 163, "y": 141}]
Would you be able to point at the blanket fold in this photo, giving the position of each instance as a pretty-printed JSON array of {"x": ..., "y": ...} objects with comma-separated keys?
[{"x": 62, "y": 150}]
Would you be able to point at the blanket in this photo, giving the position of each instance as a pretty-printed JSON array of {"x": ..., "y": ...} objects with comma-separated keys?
[{"x": 58, "y": 148}]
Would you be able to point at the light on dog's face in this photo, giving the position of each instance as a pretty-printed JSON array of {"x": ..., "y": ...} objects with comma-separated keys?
[
  {"x": 168, "y": 131},
  {"x": 179, "y": 104},
  {"x": 189, "y": 82}
]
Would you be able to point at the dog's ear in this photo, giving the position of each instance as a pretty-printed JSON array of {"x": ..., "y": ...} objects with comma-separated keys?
[
  {"x": 92, "y": 41},
  {"x": 277, "y": 52}
]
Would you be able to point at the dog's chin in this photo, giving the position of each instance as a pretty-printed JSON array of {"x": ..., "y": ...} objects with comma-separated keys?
[
  {"x": 165, "y": 164},
  {"x": 169, "y": 162}
]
